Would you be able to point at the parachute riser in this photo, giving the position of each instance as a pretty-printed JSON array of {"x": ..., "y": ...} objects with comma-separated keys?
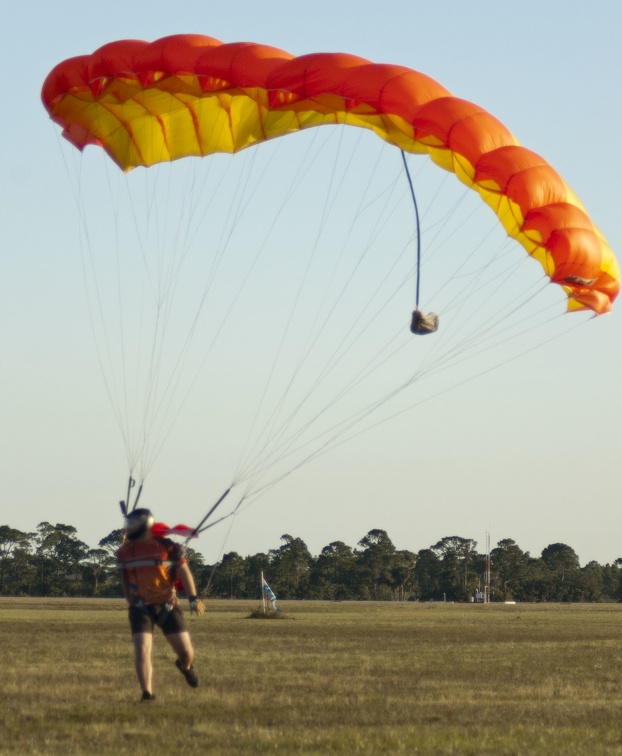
[
  {"x": 124, "y": 504},
  {"x": 200, "y": 527}
]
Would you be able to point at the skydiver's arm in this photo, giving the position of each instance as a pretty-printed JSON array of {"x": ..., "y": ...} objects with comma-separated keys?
[
  {"x": 126, "y": 590},
  {"x": 187, "y": 580}
]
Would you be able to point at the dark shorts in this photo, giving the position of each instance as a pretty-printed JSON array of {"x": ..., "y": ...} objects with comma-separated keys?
[{"x": 143, "y": 619}]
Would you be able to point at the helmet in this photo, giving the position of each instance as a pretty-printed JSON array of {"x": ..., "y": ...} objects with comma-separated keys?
[{"x": 138, "y": 522}]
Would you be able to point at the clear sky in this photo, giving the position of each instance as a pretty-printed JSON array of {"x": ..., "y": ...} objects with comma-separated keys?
[{"x": 531, "y": 451}]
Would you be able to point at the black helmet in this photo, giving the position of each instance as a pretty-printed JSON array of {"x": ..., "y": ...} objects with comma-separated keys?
[{"x": 138, "y": 522}]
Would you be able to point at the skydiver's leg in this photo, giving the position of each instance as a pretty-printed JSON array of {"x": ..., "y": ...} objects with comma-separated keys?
[
  {"x": 179, "y": 638},
  {"x": 143, "y": 645},
  {"x": 177, "y": 635},
  {"x": 181, "y": 644}
]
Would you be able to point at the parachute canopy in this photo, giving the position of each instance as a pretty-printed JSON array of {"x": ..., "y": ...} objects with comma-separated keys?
[{"x": 185, "y": 95}]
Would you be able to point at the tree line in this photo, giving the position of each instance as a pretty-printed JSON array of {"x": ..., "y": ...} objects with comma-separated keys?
[{"x": 53, "y": 561}]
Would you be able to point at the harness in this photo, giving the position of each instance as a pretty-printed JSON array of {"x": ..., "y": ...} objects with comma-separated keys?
[
  {"x": 149, "y": 563},
  {"x": 159, "y": 612}
]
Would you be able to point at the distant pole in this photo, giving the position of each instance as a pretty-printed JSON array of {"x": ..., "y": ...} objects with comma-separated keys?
[
  {"x": 487, "y": 576},
  {"x": 263, "y": 595}
]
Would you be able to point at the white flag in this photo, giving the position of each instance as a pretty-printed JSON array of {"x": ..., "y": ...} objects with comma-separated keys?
[{"x": 268, "y": 593}]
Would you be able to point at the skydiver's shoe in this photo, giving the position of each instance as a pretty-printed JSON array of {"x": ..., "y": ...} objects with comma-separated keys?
[
  {"x": 147, "y": 696},
  {"x": 191, "y": 676}
]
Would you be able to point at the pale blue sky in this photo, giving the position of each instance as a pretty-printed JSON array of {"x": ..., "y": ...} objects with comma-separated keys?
[{"x": 531, "y": 451}]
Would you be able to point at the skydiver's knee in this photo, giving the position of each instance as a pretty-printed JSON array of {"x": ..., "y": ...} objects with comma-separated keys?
[
  {"x": 182, "y": 645},
  {"x": 185, "y": 659}
]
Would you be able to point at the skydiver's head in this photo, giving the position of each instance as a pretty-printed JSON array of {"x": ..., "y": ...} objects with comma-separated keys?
[{"x": 137, "y": 523}]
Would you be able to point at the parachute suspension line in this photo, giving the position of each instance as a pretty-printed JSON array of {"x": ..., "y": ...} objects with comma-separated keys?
[
  {"x": 168, "y": 266},
  {"x": 462, "y": 343},
  {"x": 340, "y": 438},
  {"x": 492, "y": 334},
  {"x": 271, "y": 426},
  {"x": 166, "y": 286},
  {"x": 100, "y": 325},
  {"x": 291, "y": 444},
  {"x": 250, "y": 450},
  {"x": 276, "y": 446},
  {"x": 120, "y": 378},
  {"x": 97, "y": 320},
  {"x": 346, "y": 431},
  {"x": 443, "y": 353},
  {"x": 163, "y": 280},
  {"x": 340, "y": 433},
  {"x": 468, "y": 343},
  {"x": 163, "y": 409},
  {"x": 160, "y": 276},
  {"x": 488, "y": 280},
  {"x": 236, "y": 211},
  {"x": 160, "y": 390}
]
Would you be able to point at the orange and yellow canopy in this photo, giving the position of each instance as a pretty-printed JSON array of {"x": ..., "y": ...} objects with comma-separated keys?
[{"x": 191, "y": 95}]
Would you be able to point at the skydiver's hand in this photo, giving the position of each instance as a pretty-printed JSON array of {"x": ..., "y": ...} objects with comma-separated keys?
[{"x": 196, "y": 605}]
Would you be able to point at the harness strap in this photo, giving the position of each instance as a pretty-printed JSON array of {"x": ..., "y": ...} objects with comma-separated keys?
[
  {"x": 147, "y": 563},
  {"x": 159, "y": 612}
]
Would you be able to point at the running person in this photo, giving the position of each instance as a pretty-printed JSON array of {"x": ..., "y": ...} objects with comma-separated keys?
[{"x": 149, "y": 568}]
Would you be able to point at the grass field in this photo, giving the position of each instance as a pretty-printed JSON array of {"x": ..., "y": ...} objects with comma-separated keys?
[{"x": 349, "y": 678}]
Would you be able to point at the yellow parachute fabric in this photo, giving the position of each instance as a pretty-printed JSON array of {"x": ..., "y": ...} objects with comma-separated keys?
[{"x": 190, "y": 95}]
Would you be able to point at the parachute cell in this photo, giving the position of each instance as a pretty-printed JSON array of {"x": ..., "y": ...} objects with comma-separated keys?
[{"x": 190, "y": 95}]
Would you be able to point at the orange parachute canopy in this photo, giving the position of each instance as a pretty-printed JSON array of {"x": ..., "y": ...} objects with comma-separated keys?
[{"x": 184, "y": 95}]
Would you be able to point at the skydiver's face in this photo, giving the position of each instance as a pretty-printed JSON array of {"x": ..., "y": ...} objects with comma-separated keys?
[{"x": 143, "y": 534}]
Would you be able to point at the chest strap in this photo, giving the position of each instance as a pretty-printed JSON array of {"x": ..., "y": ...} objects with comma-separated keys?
[{"x": 147, "y": 563}]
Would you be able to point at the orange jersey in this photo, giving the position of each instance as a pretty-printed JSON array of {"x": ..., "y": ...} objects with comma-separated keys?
[{"x": 148, "y": 568}]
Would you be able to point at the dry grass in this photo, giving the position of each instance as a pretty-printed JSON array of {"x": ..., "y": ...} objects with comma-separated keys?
[{"x": 347, "y": 678}]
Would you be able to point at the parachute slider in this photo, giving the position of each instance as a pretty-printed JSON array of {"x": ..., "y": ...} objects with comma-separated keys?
[
  {"x": 161, "y": 530},
  {"x": 422, "y": 324},
  {"x": 579, "y": 281}
]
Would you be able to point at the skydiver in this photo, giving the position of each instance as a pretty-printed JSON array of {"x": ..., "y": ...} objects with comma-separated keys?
[
  {"x": 149, "y": 567},
  {"x": 422, "y": 324}
]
